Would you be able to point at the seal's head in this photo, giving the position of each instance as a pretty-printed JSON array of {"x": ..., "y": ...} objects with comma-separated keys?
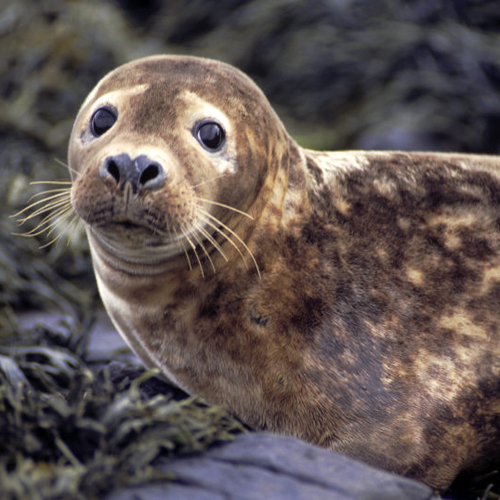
[{"x": 165, "y": 151}]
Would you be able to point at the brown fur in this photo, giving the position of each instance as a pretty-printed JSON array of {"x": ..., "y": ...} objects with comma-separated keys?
[{"x": 371, "y": 324}]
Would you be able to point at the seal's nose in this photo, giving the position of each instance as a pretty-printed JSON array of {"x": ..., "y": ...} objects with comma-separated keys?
[{"x": 141, "y": 172}]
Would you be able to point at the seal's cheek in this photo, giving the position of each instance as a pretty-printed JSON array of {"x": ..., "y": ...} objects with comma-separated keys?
[
  {"x": 75, "y": 154},
  {"x": 90, "y": 198}
]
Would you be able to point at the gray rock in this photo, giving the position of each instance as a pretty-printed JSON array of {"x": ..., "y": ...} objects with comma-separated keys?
[{"x": 260, "y": 465}]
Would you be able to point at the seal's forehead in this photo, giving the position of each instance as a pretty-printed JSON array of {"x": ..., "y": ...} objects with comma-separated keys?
[
  {"x": 197, "y": 108},
  {"x": 175, "y": 71},
  {"x": 174, "y": 74},
  {"x": 98, "y": 98}
]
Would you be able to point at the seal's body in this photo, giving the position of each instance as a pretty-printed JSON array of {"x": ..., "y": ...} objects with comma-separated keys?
[{"x": 351, "y": 299}]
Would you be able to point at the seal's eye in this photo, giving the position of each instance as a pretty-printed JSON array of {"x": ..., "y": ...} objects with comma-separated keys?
[
  {"x": 210, "y": 135},
  {"x": 102, "y": 120}
]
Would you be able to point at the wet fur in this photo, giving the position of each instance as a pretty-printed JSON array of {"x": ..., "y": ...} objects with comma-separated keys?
[{"x": 369, "y": 321}]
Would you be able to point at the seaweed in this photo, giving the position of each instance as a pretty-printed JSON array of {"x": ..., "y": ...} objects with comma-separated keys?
[{"x": 70, "y": 429}]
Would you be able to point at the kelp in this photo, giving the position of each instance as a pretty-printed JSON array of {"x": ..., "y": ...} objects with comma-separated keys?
[{"x": 70, "y": 429}]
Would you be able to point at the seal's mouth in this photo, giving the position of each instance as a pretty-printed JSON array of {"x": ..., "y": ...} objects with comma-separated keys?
[{"x": 127, "y": 226}]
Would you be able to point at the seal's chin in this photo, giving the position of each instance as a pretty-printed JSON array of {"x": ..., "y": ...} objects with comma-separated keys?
[{"x": 135, "y": 243}]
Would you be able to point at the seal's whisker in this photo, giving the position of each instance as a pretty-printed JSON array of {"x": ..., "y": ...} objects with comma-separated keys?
[
  {"x": 59, "y": 192},
  {"x": 212, "y": 225},
  {"x": 63, "y": 196},
  {"x": 48, "y": 227},
  {"x": 59, "y": 217},
  {"x": 46, "y": 208},
  {"x": 48, "y": 191},
  {"x": 56, "y": 239},
  {"x": 48, "y": 221},
  {"x": 213, "y": 241},
  {"x": 230, "y": 231},
  {"x": 208, "y": 181},
  {"x": 61, "y": 162},
  {"x": 73, "y": 221},
  {"x": 181, "y": 242},
  {"x": 53, "y": 206},
  {"x": 202, "y": 246},
  {"x": 186, "y": 253},
  {"x": 74, "y": 225},
  {"x": 61, "y": 183},
  {"x": 211, "y": 202},
  {"x": 193, "y": 247},
  {"x": 53, "y": 192},
  {"x": 65, "y": 165}
]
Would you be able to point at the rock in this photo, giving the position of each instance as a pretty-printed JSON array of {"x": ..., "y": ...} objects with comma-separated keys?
[{"x": 259, "y": 465}]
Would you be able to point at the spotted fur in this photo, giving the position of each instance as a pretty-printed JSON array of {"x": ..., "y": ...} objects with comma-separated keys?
[{"x": 356, "y": 305}]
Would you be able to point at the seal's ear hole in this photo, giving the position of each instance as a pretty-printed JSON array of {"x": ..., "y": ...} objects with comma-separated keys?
[
  {"x": 102, "y": 120},
  {"x": 210, "y": 135}
]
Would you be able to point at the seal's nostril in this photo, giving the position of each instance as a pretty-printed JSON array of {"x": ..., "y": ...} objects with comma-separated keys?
[
  {"x": 113, "y": 170},
  {"x": 150, "y": 172},
  {"x": 140, "y": 173},
  {"x": 119, "y": 168}
]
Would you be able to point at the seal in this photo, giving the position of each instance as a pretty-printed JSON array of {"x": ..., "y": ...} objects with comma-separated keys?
[{"x": 351, "y": 299}]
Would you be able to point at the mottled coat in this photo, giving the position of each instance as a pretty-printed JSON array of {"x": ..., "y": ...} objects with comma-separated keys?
[{"x": 351, "y": 299}]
